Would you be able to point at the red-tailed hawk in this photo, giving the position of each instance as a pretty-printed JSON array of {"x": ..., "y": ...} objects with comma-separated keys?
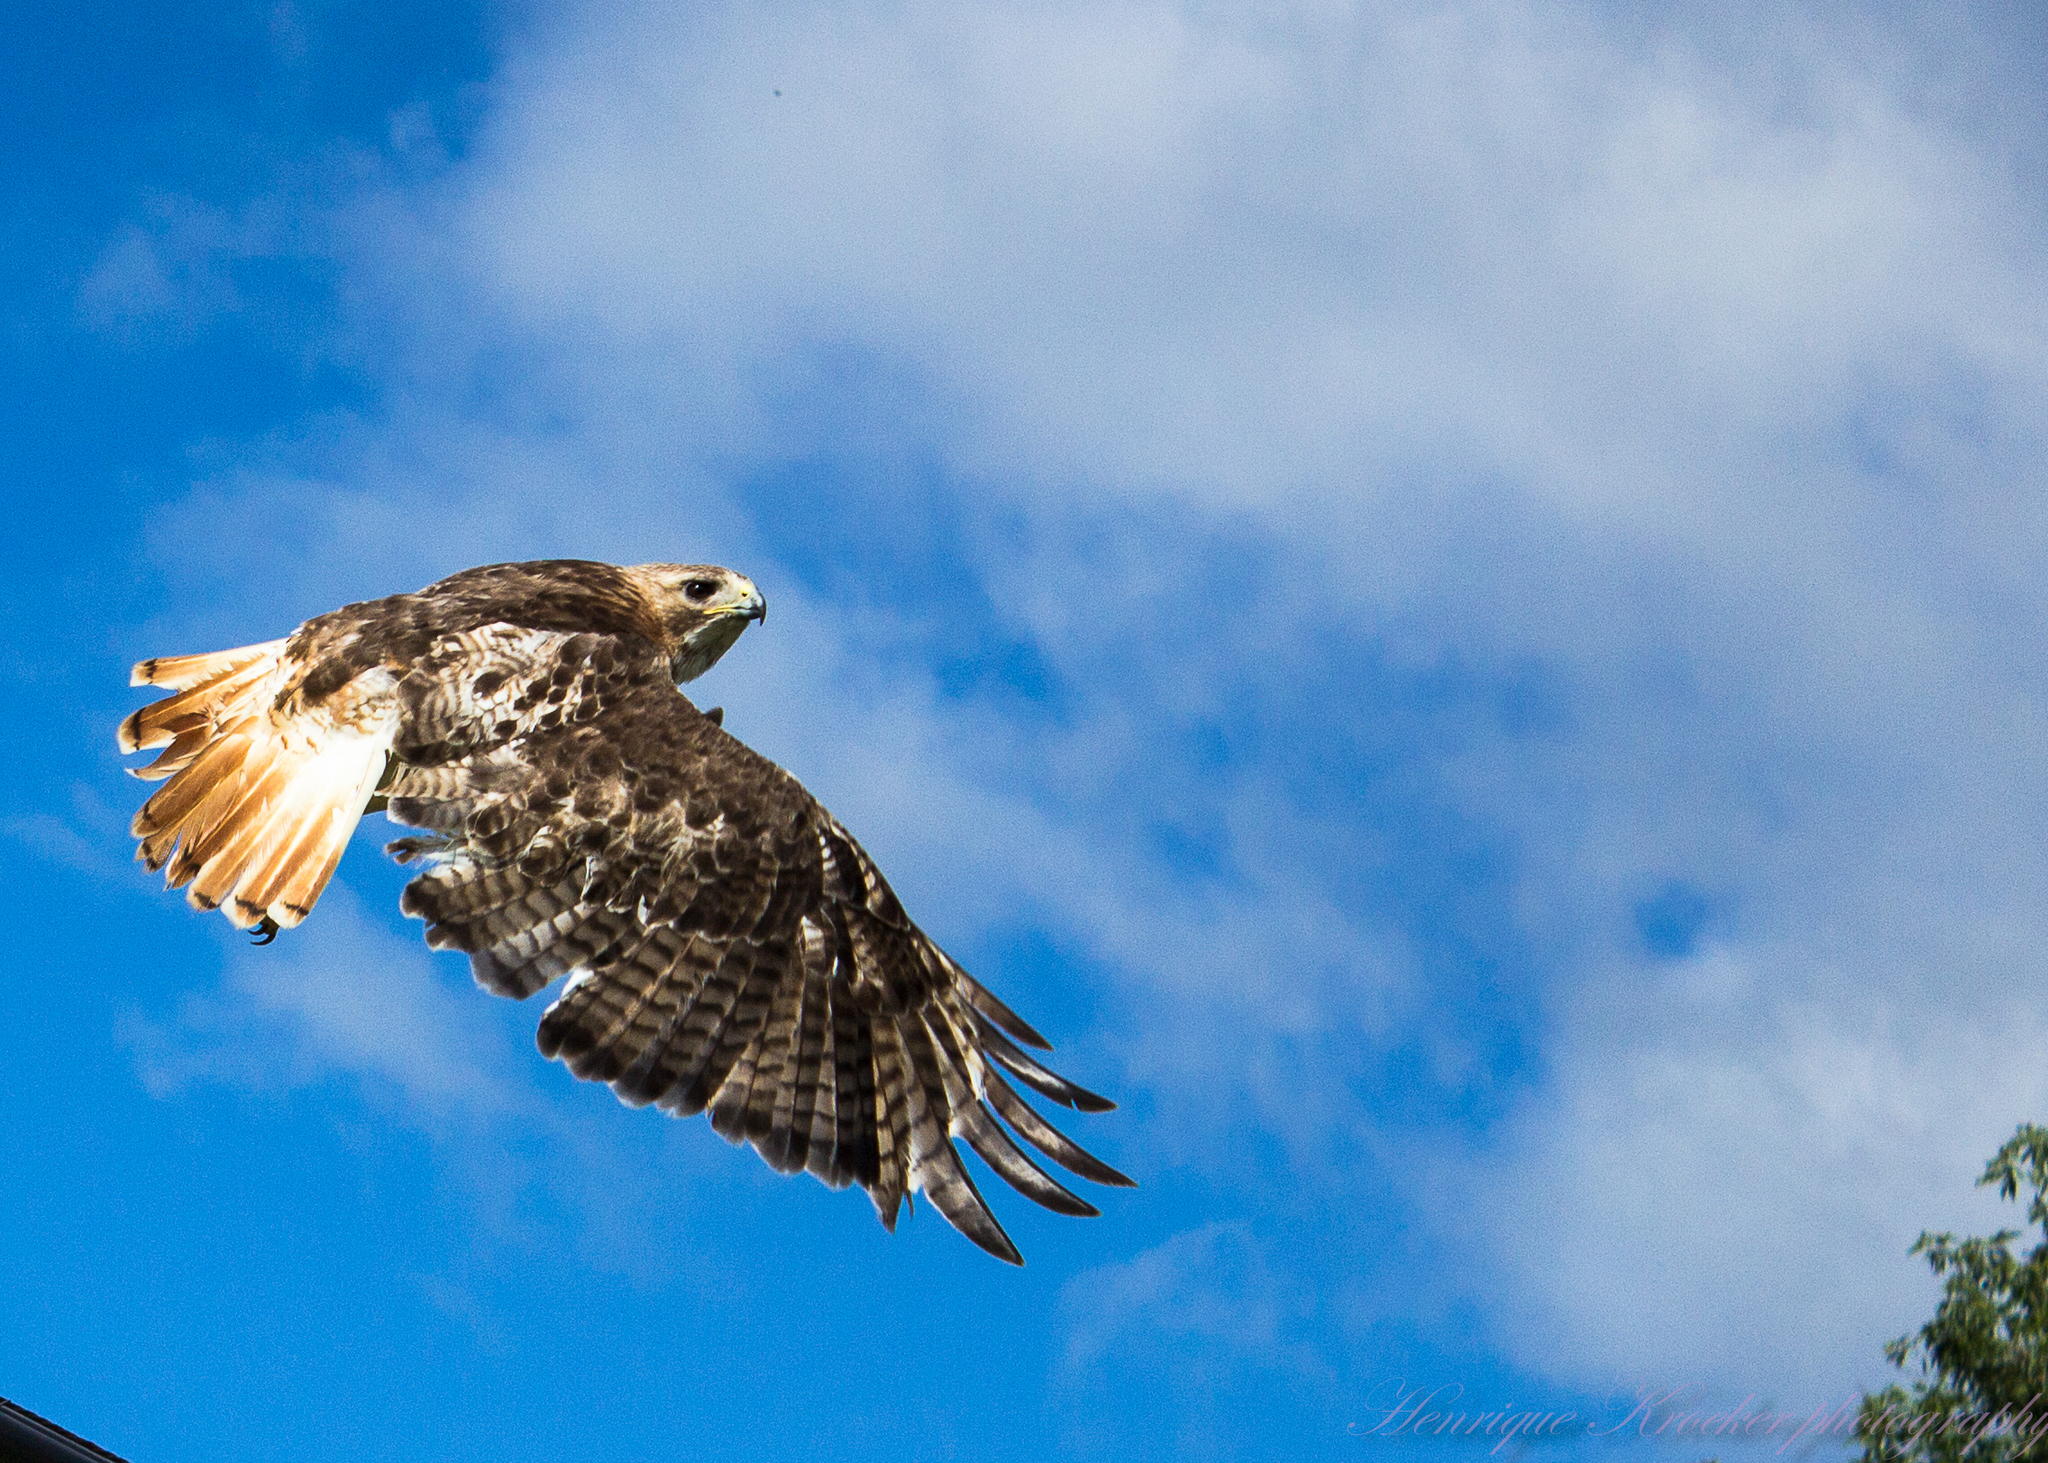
[{"x": 729, "y": 947}]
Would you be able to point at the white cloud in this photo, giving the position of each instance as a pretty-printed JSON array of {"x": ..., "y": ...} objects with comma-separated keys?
[
  {"x": 1208, "y": 1293},
  {"x": 1329, "y": 243},
  {"x": 1197, "y": 1333},
  {"x": 1726, "y": 1200},
  {"x": 340, "y": 994}
]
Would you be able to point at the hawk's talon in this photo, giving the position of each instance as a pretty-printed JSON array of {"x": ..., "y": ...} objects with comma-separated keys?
[{"x": 264, "y": 931}]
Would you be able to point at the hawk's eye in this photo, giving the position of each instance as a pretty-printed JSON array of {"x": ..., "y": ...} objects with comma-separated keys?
[{"x": 700, "y": 590}]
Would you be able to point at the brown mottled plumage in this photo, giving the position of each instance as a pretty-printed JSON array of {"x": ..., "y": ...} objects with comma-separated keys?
[{"x": 729, "y": 947}]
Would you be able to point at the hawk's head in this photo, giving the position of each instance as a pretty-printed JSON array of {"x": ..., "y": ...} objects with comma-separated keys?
[{"x": 701, "y": 608}]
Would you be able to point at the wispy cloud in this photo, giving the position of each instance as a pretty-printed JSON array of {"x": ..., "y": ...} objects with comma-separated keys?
[
  {"x": 347, "y": 994},
  {"x": 1210, "y": 1290}
]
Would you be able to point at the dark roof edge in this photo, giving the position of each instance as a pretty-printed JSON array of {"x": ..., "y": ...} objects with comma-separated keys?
[{"x": 34, "y": 1439}]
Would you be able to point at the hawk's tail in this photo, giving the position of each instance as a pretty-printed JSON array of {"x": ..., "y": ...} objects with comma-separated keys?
[{"x": 259, "y": 804}]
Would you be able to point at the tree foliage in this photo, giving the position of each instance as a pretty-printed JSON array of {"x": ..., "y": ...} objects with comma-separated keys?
[{"x": 1980, "y": 1393}]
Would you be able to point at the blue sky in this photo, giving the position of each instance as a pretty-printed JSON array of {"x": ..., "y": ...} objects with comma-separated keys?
[{"x": 1446, "y": 596}]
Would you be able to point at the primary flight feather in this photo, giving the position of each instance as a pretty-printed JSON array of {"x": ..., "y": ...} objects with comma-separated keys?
[{"x": 729, "y": 947}]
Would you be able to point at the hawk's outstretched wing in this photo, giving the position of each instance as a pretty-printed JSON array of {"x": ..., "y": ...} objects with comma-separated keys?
[{"x": 730, "y": 948}]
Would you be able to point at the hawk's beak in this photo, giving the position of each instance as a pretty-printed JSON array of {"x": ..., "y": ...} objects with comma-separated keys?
[{"x": 753, "y": 607}]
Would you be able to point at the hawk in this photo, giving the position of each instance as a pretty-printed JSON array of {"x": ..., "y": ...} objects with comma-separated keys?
[{"x": 729, "y": 947}]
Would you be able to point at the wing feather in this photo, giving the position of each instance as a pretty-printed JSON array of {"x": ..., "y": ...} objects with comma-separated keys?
[
  {"x": 856, "y": 1142},
  {"x": 973, "y": 1122},
  {"x": 996, "y": 1149},
  {"x": 1047, "y": 1139},
  {"x": 670, "y": 964},
  {"x": 680, "y": 1069},
  {"x": 893, "y": 1114},
  {"x": 1040, "y": 1078},
  {"x": 940, "y": 1174},
  {"x": 751, "y": 1042},
  {"x": 802, "y": 1084},
  {"x": 821, "y": 1151},
  {"x": 771, "y": 1102}
]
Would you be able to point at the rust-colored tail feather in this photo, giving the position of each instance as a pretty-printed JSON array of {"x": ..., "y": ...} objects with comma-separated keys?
[
  {"x": 260, "y": 802},
  {"x": 184, "y": 672},
  {"x": 204, "y": 685}
]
